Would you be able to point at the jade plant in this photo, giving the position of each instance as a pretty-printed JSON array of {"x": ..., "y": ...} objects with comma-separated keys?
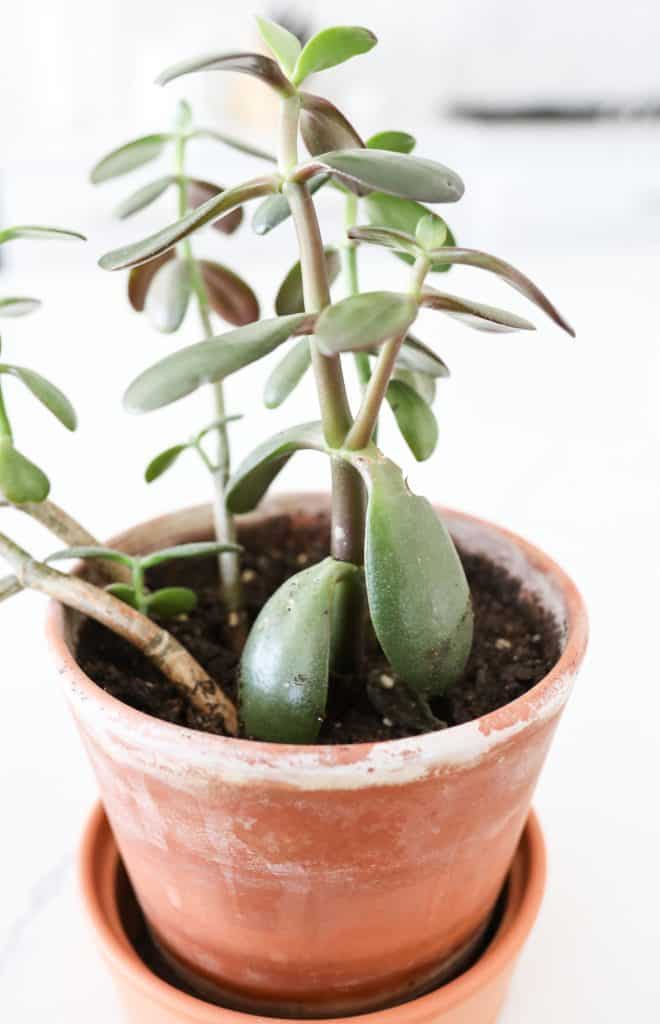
[
  {"x": 392, "y": 567},
  {"x": 164, "y": 287}
]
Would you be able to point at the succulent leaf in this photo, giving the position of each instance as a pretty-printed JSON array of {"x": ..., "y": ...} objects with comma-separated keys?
[
  {"x": 414, "y": 418},
  {"x": 287, "y": 374},
  {"x": 362, "y": 321},
  {"x": 330, "y": 47},
  {"x": 250, "y": 481}
]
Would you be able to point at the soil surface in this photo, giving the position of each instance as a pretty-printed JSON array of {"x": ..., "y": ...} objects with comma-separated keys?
[{"x": 516, "y": 643}]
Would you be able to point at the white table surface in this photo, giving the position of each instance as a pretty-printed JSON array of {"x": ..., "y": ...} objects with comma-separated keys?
[{"x": 557, "y": 439}]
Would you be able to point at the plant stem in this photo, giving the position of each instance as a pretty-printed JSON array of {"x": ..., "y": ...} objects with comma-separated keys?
[
  {"x": 365, "y": 423},
  {"x": 229, "y": 565},
  {"x": 5, "y": 426},
  {"x": 350, "y": 271},
  {"x": 179, "y": 667}
]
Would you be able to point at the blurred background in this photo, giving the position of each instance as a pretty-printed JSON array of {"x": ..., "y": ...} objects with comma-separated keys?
[{"x": 550, "y": 112}]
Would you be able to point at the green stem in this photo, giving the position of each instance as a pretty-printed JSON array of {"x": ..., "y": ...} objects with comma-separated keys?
[
  {"x": 351, "y": 279},
  {"x": 5, "y": 425},
  {"x": 225, "y": 529},
  {"x": 362, "y": 430}
]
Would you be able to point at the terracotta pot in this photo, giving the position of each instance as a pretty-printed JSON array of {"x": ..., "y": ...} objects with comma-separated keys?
[
  {"x": 322, "y": 880},
  {"x": 475, "y": 997}
]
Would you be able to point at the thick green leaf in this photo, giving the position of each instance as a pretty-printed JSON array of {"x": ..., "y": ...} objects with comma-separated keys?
[
  {"x": 431, "y": 232},
  {"x": 362, "y": 321},
  {"x": 162, "y": 462},
  {"x": 155, "y": 245},
  {"x": 186, "y": 370},
  {"x": 290, "y": 297},
  {"x": 168, "y": 296},
  {"x": 124, "y": 592},
  {"x": 200, "y": 191},
  {"x": 130, "y": 156},
  {"x": 284, "y": 46},
  {"x": 475, "y": 314},
  {"x": 394, "y": 142},
  {"x": 275, "y": 210},
  {"x": 20, "y": 479},
  {"x": 238, "y": 144},
  {"x": 423, "y": 383},
  {"x": 330, "y": 47},
  {"x": 415, "y": 355},
  {"x": 18, "y": 306},
  {"x": 508, "y": 273},
  {"x": 171, "y": 601},
  {"x": 250, "y": 481},
  {"x": 229, "y": 295},
  {"x": 196, "y": 549},
  {"x": 91, "y": 551},
  {"x": 415, "y": 420},
  {"x": 419, "y": 599},
  {"x": 254, "y": 64},
  {"x": 388, "y": 238},
  {"x": 39, "y": 233},
  {"x": 394, "y": 173},
  {"x": 285, "y": 665},
  {"x": 144, "y": 196},
  {"x": 324, "y": 127},
  {"x": 49, "y": 395},
  {"x": 287, "y": 374},
  {"x": 402, "y": 215},
  {"x": 140, "y": 278}
]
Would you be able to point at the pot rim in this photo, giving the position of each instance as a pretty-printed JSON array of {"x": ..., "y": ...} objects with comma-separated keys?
[
  {"x": 98, "y": 862},
  {"x": 378, "y": 762}
]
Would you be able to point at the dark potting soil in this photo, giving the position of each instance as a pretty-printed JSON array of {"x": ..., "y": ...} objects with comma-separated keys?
[{"x": 516, "y": 643}]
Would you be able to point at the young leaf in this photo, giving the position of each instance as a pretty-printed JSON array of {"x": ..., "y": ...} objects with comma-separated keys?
[
  {"x": 415, "y": 355},
  {"x": 254, "y": 64},
  {"x": 275, "y": 210},
  {"x": 37, "y": 232},
  {"x": 251, "y": 480},
  {"x": 402, "y": 215},
  {"x": 414, "y": 418},
  {"x": 419, "y": 599},
  {"x": 475, "y": 314},
  {"x": 431, "y": 232},
  {"x": 155, "y": 245},
  {"x": 395, "y": 142},
  {"x": 168, "y": 296},
  {"x": 16, "y": 306},
  {"x": 144, "y": 196},
  {"x": 282, "y": 43},
  {"x": 171, "y": 601},
  {"x": 287, "y": 374},
  {"x": 91, "y": 551},
  {"x": 229, "y": 295},
  {"x": 508, "y": 273},
  {"x": 129, "y": 157},
  {"x": 290, "y": 297},
  {"x": 330, "y": 47},
  {"x": 394, "y": 173},
  {"x": 324, "y": 127},
  {"x": 124, "y": 592},
  {"x": 49, "y": 395},
  {"x": 361, "y": 321},
  {"x": 197, "y": 549},
  {"x": 140, "y": 278},
  {"x": 186, "y": 370},
  {"x": 162, "y": 462},
  {"x": 285, "y": 665},
  {"x": 200, "y": 191},
  {"x": 20, "y": 479}
]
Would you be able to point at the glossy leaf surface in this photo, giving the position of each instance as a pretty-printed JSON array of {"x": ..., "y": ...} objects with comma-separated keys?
[
  {"x": 20, "y": 479},
  {"x": 47, "y": 393},
  {"x": 330, "y": 47},
  {"x": 168, "y": 602},
  {"x": 419, "y": 599},
  {"x": 129, "y": 157},
  {"x": 393, "y": 141},
  {"x": 285, "y": 666},
  {"x": 253, "y": 477},
  {"x": 508, "y": 273},
  {"x": 290, "y": 297},
  {"x": 184, "y": 371},
  {"x": 287, "y": 374},
  {"x": 284, "y": 46},
  {"x": 162, "y": 462},
  {"x": 397, "y": 174},
  {"x": 144, "y": 196},
  {"x": 140, "y": 278},
  {"x": 475, "y": 314},
  {"x": 229, "y": 295},
  {"x": 414, "y": 418},
  {"x": 168, "y": 296},
  {"x": 15, "y": 306},
  {"x": 362, "y": 321},
  {"x": 161, "y": 241},
  {"x": 254, "y": 64}
]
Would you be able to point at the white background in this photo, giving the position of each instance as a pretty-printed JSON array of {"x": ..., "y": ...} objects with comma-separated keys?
[{"x": 557, "y": 439}]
